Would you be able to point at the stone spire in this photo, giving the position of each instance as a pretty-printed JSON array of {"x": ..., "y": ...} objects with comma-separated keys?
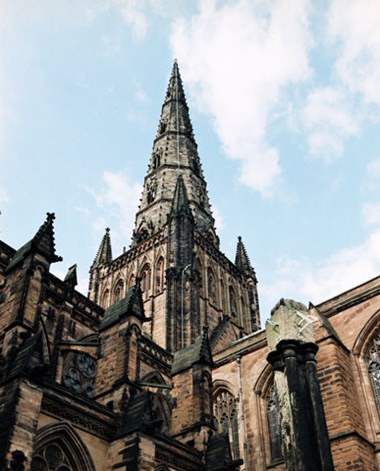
[
  {"x": 104, "y": 254},
  {"x": 174, "y": 152},
  {"x": 241, "y": 258}
]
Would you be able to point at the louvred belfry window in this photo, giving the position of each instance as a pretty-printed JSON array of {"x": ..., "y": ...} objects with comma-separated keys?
[
  {"x": 226, "y": 418},
  {"x": 373, "y": 361},
  {"x": 274, "y": 424},
  {"x": 79, "y": 373}
]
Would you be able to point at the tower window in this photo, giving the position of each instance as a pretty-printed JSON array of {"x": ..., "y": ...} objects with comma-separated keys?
[
  {"x": 118, "y": 292},
  {"x": 145, "y": 279},
  {"x": 233, "y": 304},
  {"x": 160, "y": 275}
]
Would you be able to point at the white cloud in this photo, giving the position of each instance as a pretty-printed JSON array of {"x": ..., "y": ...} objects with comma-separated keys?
[
  {"x": 329, "y": 120},
  {"x": 303, "y": 281},
  {"x": 371, "y": 213},
  {"x": 354, "y": 27},
  {"x": 4, "y": 198},
  {"x": 120, "y": 197},
  {"x": 133, "y": 13},
  {"x": 239, "y": 58}
]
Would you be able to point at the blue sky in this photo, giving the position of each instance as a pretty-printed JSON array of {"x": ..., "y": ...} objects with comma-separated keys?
[{"x": 285, "y": 102}]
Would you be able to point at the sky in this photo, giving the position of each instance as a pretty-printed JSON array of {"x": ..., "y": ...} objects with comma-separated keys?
[{"x": 284, "y": 98}]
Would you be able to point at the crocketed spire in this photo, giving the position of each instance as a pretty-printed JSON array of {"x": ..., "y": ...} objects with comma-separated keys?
[
  {"x": 174, "y": 152},
  {"x": 104, "y": 254}
]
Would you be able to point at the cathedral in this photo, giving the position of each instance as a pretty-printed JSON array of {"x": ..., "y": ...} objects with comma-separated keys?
[{"x": 164, "y": 365}]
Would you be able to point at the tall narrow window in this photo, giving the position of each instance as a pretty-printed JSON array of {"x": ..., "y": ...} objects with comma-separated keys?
[
  {"x": 211, "y": 286},
  {"x": 118, "y": 291},
  {"x": 145, "y": 279},
  {"x": 105, "y": 299},
  {"x": 233, "y": 305},
  {"x": 373, "y": 361},
  {"x": 160, "y": 275},
  {"x": 132, "y": 281},
  {"x": 226, "y": 418},
  {"x": 274, "y": 424}
]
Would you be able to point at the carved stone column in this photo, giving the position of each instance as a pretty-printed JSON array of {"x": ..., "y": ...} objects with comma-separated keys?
[{"x": 290, "y": 337}]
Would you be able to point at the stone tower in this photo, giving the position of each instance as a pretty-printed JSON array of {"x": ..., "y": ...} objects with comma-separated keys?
[{"x": 187, "y": 282}]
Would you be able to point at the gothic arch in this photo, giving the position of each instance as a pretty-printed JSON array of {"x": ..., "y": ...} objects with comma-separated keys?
[
  {"x": 225, "y": 410},
  {"x": 211, "y": 285},
  {"x": 232, "y": 302},
  {"x": 365, "y": 334},
  {"x": 105, "y": 298},
  {"x": 131, "y": 280},
  {"x": 118, "y": 290},
  {"x": 159, "y": 274},
  {"x": 161, "y": 399},
  {"x": 366, "y": 352},
  {"x": 59, "y": 445},
  {"x": 268, "y": 415},
  {"x": 146, "y": 278}
]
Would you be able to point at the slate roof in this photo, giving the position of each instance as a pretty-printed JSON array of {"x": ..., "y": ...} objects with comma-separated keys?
[
  {"x": 198, "y": 352},
  {"x": 132, "y": 304}
]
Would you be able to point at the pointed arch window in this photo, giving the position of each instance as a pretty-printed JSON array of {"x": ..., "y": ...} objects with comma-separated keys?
[
  {"x": 233, "y": 304},
  {"x": 51, "y": 458},
  {"x": 226, "y": 418},
  {"x": 132, "y": 281},
  {"x": 273, "y": 415},
  {"x": 160, "y": 275},
  {"x": 373, "y": 362},
  {"x": 118, "y": 291},
  {"x": 105, "y": 298},
  {"x": 211, "y": 285},
  {"x": 146, "y": 279},
  {"x": 59, "y": 448}
]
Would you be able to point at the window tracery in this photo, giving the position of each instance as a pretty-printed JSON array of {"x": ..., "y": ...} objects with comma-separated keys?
[
  {"x": 51, "y": 458},
  {"x": 273, "y": 416},
  {"x": 226, "y": 418},
  {"x": 373, "y": 362},
  {"x": 79, "y": 373}
]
